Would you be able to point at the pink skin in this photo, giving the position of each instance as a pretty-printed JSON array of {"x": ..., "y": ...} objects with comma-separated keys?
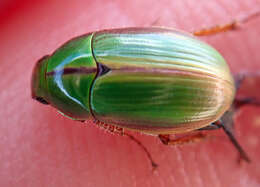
[{"x": 40, "y": 147}]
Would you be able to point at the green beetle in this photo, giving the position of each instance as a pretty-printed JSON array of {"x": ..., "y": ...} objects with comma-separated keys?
[{"x": 152, "y": 80}]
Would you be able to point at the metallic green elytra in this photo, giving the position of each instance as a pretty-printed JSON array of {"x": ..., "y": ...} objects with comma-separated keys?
[{"x": 152, "y": 80}]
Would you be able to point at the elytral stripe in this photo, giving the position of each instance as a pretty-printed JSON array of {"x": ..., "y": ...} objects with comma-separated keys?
[
  {"x": 202, "y": 75},
  {"x": 68, "y": 71}
]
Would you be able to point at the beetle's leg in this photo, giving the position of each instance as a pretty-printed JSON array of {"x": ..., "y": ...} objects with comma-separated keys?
[
  {"x": 82, "y": 121},
  {"x": 212, "y": 126},
  {"x": 110, "y": 128},
  {"x": 228, "y": 128},
  {"x": 216, "y": 29},
  {"x": 228, "y": 131},
  {"x": 154, "y": 165},
  {"x": 166, "y": 140},
  {"x": 245, "y": 101},
  {"x": 239, "y": 102},
  {"x": 239, "y": 78},
  {"x": 120, "y": 131},
  {"x": 227, "y": 27}
]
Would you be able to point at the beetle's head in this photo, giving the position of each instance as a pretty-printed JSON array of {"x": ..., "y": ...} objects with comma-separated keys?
[
  {"x": 64, "y": 78},
  {"x": 38, "y": 80}
]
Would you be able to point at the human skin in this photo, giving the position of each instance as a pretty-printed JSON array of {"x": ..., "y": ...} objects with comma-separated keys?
[{"x": 40, "y": 147}]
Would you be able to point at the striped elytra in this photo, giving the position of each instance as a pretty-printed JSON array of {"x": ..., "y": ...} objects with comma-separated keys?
[{"x": 153, "y": 80}]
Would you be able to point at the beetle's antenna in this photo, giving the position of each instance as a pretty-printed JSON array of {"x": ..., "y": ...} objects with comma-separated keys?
[{"x": 232, "y": 138}]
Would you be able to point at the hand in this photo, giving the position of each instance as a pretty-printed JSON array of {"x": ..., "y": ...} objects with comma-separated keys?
[{"x": 39, "y": 147}]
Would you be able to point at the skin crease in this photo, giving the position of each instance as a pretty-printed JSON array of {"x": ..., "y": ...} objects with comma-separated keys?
[{"x": 40, "y": 147}]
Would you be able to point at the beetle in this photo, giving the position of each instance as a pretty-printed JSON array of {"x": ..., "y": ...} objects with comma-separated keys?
[{"x": 152, "y": 80}]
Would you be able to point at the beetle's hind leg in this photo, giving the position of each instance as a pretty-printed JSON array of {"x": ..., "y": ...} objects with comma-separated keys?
[
  {"x": 212, "y": 126},
  {"x": 166, "y": 139},
  {"x": 227, "y": 125},
  {"x": 228, "y": 26},
  {"x": 228, "y": 130},
  {"x": 120, "y": 131}
]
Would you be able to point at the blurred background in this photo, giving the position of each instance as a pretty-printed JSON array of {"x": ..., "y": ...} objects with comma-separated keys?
[{"x": 39, "y": 147}]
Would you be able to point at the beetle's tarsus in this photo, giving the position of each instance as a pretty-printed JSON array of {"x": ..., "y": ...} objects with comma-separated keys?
[
  {"x": 242, "y": 153},
  {"x": 120, "y": 131},
  {"x": 154, "y": 165},
  {"x": 228, "y": 128},
  {"x": 241, "y": 160}
]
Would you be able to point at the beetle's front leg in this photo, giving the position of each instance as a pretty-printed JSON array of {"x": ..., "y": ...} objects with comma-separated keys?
[
  {"x": 110, "y": 128},
  {"x": 120, "y": 131},
  {"x": 228, "y": 26},
  {"x": 166, "y": 140}
]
